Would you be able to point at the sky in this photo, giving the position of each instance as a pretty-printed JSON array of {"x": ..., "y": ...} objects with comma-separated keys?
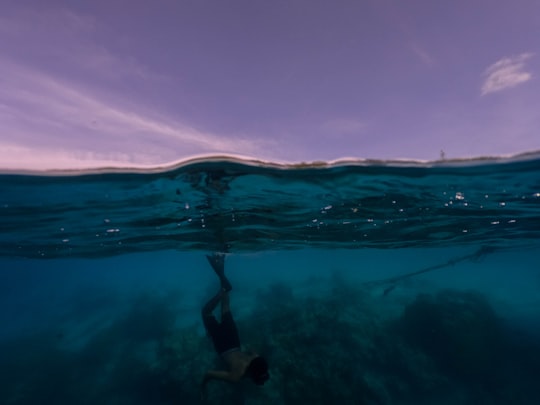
[{"x": 93, "y": 83}]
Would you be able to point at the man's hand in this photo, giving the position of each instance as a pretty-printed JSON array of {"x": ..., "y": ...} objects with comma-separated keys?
[
  {"x": 203, "y": 393},
  {"x": 202, "y": 389}
]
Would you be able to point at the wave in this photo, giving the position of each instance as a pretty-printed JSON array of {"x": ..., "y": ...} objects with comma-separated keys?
[
  {"x": 237, "y": 203},
  {"x": 283, "y": 165}
]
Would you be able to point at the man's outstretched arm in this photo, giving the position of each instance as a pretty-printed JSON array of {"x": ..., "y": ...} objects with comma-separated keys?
[{"x": 218, "y": 375}]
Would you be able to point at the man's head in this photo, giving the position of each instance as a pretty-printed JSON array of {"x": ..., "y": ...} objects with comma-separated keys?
[{"x": 258, "y": 370}]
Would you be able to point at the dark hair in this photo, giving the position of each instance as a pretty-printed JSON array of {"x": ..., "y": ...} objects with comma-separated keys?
[{"x": 258, "y": 370}]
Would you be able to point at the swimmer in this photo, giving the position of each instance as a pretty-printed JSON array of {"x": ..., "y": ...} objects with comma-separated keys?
[{"x": 225, "y": 337}]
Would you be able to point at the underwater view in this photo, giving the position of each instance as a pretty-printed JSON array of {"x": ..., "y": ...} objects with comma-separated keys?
[{"x": 360, "y": 282}]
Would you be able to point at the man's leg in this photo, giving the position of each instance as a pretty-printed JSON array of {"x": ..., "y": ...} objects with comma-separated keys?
[
  {"x": 227, "y": 323},
  {"x": 212, "y": 304},
  {"x": 212, "y": 326},
  {"x": 225, "y": 308},
  {"x": 217, "y": 261}
]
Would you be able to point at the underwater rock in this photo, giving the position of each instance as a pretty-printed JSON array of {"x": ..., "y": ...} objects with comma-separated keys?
[
  {"x": 459, "y": 330},
  {"x": 340, "y": 346}
]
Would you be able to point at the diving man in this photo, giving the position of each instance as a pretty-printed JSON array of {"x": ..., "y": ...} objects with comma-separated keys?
[{"x": 224, "y": 335}]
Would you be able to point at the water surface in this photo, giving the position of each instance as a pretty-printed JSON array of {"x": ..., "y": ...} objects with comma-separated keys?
[{"x": 362, "y": 282}]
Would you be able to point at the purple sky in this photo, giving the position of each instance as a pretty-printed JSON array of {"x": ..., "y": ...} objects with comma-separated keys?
[{"x": 125, "y": 82}]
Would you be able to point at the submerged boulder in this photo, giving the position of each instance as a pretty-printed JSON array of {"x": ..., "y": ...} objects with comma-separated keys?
[{"x": 459, "y": 330}]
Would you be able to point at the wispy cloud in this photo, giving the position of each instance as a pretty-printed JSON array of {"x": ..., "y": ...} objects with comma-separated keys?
[
  {"x": 344, "y": 126},
  {"x": 422, "y": 54},
  {"x": 73, "y": 44},
  {"x": 65, "y": 105},
  {"x": 44, "y": 119},
  {"x": 21, "y": 157},
  {"x": 506, "y": 73}
]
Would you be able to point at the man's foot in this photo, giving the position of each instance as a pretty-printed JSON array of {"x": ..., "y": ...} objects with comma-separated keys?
[{"x": 217, "y": 261}]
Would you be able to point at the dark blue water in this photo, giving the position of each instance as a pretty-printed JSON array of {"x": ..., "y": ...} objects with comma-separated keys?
[{"x": 361, "y": 283}]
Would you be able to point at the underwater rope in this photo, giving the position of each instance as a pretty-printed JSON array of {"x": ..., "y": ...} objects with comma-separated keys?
[{"x": 479, "y": 254}]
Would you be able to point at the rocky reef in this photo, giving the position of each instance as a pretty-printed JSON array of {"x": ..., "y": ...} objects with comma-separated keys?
[{"x": 343, "y": 346}]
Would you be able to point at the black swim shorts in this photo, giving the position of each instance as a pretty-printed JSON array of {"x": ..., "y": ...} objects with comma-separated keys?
[{"x": 224, "y": 334}]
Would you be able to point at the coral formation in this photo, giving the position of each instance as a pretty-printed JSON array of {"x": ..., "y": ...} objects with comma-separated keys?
[{"x": 344, "y": 346}]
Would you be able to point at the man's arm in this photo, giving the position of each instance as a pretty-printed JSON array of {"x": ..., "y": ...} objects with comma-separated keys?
[
  {"x": 220, "y": 375},
  {"x": 217, "y": 375}
]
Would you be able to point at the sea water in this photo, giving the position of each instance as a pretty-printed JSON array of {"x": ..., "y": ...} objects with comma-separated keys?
[{"x": 361, "y": 282}]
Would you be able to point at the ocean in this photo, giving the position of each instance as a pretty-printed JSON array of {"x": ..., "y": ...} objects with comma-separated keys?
[{"x": 361, "y": 282}]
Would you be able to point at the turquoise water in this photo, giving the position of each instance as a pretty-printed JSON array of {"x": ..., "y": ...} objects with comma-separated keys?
[{"x": 361, "y": 282}]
